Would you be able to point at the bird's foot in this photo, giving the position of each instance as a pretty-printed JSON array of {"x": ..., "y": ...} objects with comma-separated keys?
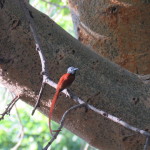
[{"x": 67, "y": 93}]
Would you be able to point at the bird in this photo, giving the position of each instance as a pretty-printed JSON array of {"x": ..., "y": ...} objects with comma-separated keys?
[{"x": 64, "y": 82}]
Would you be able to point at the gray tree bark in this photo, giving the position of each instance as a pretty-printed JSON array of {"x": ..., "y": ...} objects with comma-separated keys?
[{"x": 103, "y": 83}]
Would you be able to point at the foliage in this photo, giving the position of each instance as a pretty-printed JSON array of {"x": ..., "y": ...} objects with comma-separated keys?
[
  {"x": 36, "y": 131},
  {"x": 60, "y": 13}
]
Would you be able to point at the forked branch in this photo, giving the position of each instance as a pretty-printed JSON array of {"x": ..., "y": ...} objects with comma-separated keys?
[
  {"x": 9, "y": 107},
  {"x": 62, "y": 123}
]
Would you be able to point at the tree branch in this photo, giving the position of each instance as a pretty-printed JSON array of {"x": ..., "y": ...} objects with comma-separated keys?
[
  {"x": 62, "y": 123},
  {"x": 147, "y": 143},
  {"x": 39, "y": 49},
  {"x": 9, "y": 107},
  {"x": 101, "y": 112},
  {"x": 73, "y": 96},
  {"x": 39, "y": 97}
]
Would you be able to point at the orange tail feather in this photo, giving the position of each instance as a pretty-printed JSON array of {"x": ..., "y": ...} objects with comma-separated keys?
[{"x": 52, "y": 108}]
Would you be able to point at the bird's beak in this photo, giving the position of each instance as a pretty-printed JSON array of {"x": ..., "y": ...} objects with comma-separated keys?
[{"x": 76, "y": 69}]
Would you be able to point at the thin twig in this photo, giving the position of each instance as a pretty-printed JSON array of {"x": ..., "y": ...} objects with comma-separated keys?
[
  {"x": 147, "y": 143},
  {"x": 39, "y": 49},
  {"x": 62, "y": 123},
  {"x": 86, "y": 146},
  {"x": 35, "y": 35},
  {"x": 9, "y": 107},
  {"x": 38, "y": 44},
  {"x": 21, "y": 132},
  {"x": 39, "y": 97},
  {"x": 99, "y": 111}
]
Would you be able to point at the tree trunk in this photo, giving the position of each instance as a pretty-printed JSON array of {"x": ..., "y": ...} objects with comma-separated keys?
[
  {"x": 104, "y": 84},
  {"x": 116, "y": 29}
]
